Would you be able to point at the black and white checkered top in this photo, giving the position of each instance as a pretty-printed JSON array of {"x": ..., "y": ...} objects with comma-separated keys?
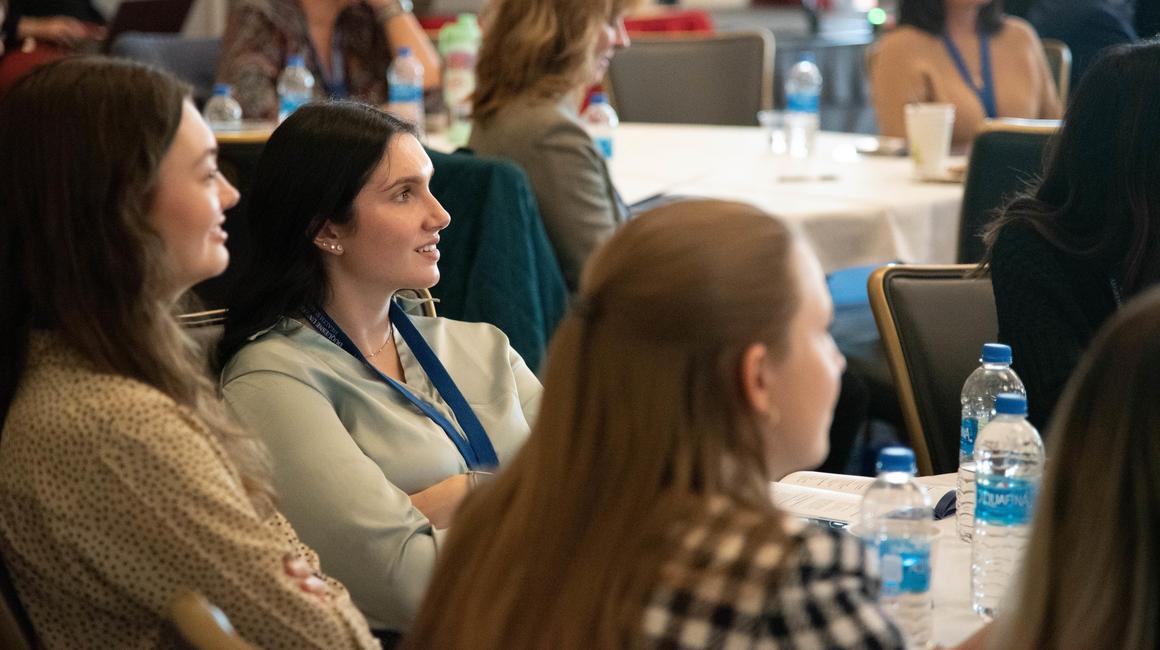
[{"x": 739, "y": 580}]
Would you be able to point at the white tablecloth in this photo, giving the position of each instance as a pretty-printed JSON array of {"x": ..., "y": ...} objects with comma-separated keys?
[
  {"x": 852, "y": 209},
  {"x": 954, "y": 620}
]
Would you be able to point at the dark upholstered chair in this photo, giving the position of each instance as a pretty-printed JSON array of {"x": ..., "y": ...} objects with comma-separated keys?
[
  {"x": 933, "y": 321},
  {"x": 497, "y": 266},
  {"x": 15, "y": 628},
  {"x": 1007, "y": 155},
  {"x": 722, "y": 78},
  {"x": 193, "y": 60}
]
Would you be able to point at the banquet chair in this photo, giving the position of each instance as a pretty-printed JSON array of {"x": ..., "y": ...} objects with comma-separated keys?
[
  {"x": 1059, "y": 62},
  {"x": 15, "y": 628},
  {"x": 682, "y": 78},
  {"x": 193, "y": 60},
  {"x": 1007, "y": 156},
  {"x": 203, "y": 626},
  {"x": 933, "y": 321}
]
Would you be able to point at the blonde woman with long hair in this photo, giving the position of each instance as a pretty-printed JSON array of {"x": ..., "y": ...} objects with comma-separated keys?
[
  {"x": 1091, "y": 578},
  {"x": 538, "y": 59},
  {"x": 695, "y": 368}
]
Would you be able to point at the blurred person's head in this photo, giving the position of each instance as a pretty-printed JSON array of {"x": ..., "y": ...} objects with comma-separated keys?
[
  {"x": 1099, "y": 199},
  {"x": 339, "y": 201},
  {"x": 113, "y": 209},
  {"x": 1091, "y": 577},
  {"x": 931, "y": 15},
  {"x": 696, "y": 363},
  {"x": 545, "y": 49}
]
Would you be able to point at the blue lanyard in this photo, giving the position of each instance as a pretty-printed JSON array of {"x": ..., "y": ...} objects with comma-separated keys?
[
  {"x": 333, "y": 80},
  {"x": 476, "y": 447},
  {"x": 986, "y": 94}
]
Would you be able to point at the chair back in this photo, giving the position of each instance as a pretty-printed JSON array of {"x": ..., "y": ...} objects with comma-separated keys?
[
  {"x": 725, "y": 78},
  {"x": 1059, "y": 62},
  {"x": 1006, "y": 157},
  {"x": 192, "y": 59},
  {"x": 15, "y": 628},
  {"x": 933, "y": 321},
  {"x": 203, "y": 626},
  {"x": 497, "y": 266}
]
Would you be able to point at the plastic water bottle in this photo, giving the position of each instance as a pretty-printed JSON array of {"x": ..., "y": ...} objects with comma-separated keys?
[
  {"x": 601, "y": 121},
  {"x": 295, "y": 86},
  {"x": 895, "y": 523},
  {"x": 803, "y": 89},
  {"x": 993, "y": 377},
  {"x": 459, "y": 47},
  {"x": 222, "y": 111},
  {"x": 405, "y": 88},
  {"x": 1009, "y": 459}
]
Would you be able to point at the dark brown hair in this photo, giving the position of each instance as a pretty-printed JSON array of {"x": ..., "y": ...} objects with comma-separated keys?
[
  {"x": 80, "y": 147},
  {"x": 1099, "y": 200},
  {"x": 931, "y": 16}
]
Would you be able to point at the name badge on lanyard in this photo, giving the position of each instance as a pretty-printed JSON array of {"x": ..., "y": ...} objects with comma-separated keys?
[
  {"x": 986, "y": 93},
  {"x": 473, "y": 443}
]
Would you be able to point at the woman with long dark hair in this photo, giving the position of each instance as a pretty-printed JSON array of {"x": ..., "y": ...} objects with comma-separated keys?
[
  {"x": 122, "y": 481},
  {"x": 1063, "y": 257},
  {"x": 965, "y": 53},
  {"x": 377, "y": 422}
]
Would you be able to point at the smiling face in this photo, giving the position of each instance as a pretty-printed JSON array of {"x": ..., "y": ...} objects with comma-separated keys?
[
  {"x": 189, "y": 204},
  {"x": 391, "y": 243},
  {"x": 610, "y": 37}
]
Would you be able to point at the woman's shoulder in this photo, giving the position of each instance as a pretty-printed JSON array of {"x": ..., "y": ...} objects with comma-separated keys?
[
  {"x": 1018, "y": 243},
  {"x": 903, "y": 45},
  {"x": 1019, "y": 30},
  {"x": 447, "y": 335},
  {"x": 285, "y": 348},
  {"x": 525, "y": 122}
]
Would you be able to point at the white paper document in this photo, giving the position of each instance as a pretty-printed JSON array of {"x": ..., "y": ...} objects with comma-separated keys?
[{"x": 837, "y": 497}]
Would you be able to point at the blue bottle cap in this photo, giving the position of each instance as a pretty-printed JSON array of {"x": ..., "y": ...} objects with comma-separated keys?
[
  {"x": 222, "y": 89},
  {"x": 404, "y": 51},
  {"x": 1010, "y": 404},
  {"x": 296, "y": 60},
  {"x": 896, "y": 459},
  {"x": 807, "y": 56},
  {"x": 996, "y": 353},
  {"x": 598, "y": 98}
]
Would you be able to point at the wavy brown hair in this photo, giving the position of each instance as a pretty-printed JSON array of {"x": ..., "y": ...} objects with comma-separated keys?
[
  {"x": 643, "y": 418},
  {"x": 1091, "y": 577},
  {"x": 537, "y": 48},
  {"x": 80, "y": 147}
]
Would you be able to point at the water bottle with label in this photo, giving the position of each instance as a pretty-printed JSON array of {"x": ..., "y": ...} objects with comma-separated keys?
[
  {"x": 459, "y": 47},
  {"x": 993, "y": 377},
  {"x": 405, "y": 88},
  {"x": 896, "y": 524},
  {"x": 222, "y": 112},
  {"x": 1009, "y": 466},
  {"x": 803, "y": 90},
  {"x": 601, "y": 121},
  {"x": 295, "y": 86}
]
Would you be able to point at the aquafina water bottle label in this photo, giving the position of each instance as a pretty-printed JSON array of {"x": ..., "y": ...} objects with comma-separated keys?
[
  {"x": 968, "y": 431},
  {"x": 905, "y": 566},
  {"x": 1003, "y": 501},
  {"x": 802, "y": 102}
]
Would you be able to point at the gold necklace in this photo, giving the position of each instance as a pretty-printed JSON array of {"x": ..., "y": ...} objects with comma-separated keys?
[{"x": 372, "y": 354}]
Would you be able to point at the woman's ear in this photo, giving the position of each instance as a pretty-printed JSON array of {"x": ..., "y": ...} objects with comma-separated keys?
[
  {"x": 755, "y": 378},
  {"x": 328, "y": 239}
]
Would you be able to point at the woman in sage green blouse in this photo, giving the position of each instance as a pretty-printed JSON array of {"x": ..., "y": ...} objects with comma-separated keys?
[{"x": 335, "y": 379}]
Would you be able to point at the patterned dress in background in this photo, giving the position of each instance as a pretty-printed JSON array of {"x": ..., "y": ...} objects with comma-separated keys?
[{"x": 261, "y": 34}]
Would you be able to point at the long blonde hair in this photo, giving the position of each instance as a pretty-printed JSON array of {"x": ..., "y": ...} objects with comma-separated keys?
[
  {"x": 1091, "y": 577},
  {"x": 537, "y": 48},
  {"x": 643, "y": 418}
]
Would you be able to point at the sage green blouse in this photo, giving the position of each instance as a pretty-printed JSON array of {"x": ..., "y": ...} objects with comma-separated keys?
[{"x": 347, "y": 449}]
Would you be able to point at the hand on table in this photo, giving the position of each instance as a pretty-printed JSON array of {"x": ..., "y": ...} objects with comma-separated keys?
[{"x": 438, "y": 502}]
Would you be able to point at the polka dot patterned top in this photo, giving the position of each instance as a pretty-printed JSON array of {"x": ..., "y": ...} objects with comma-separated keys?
[{"x": 114, "y": 499}]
